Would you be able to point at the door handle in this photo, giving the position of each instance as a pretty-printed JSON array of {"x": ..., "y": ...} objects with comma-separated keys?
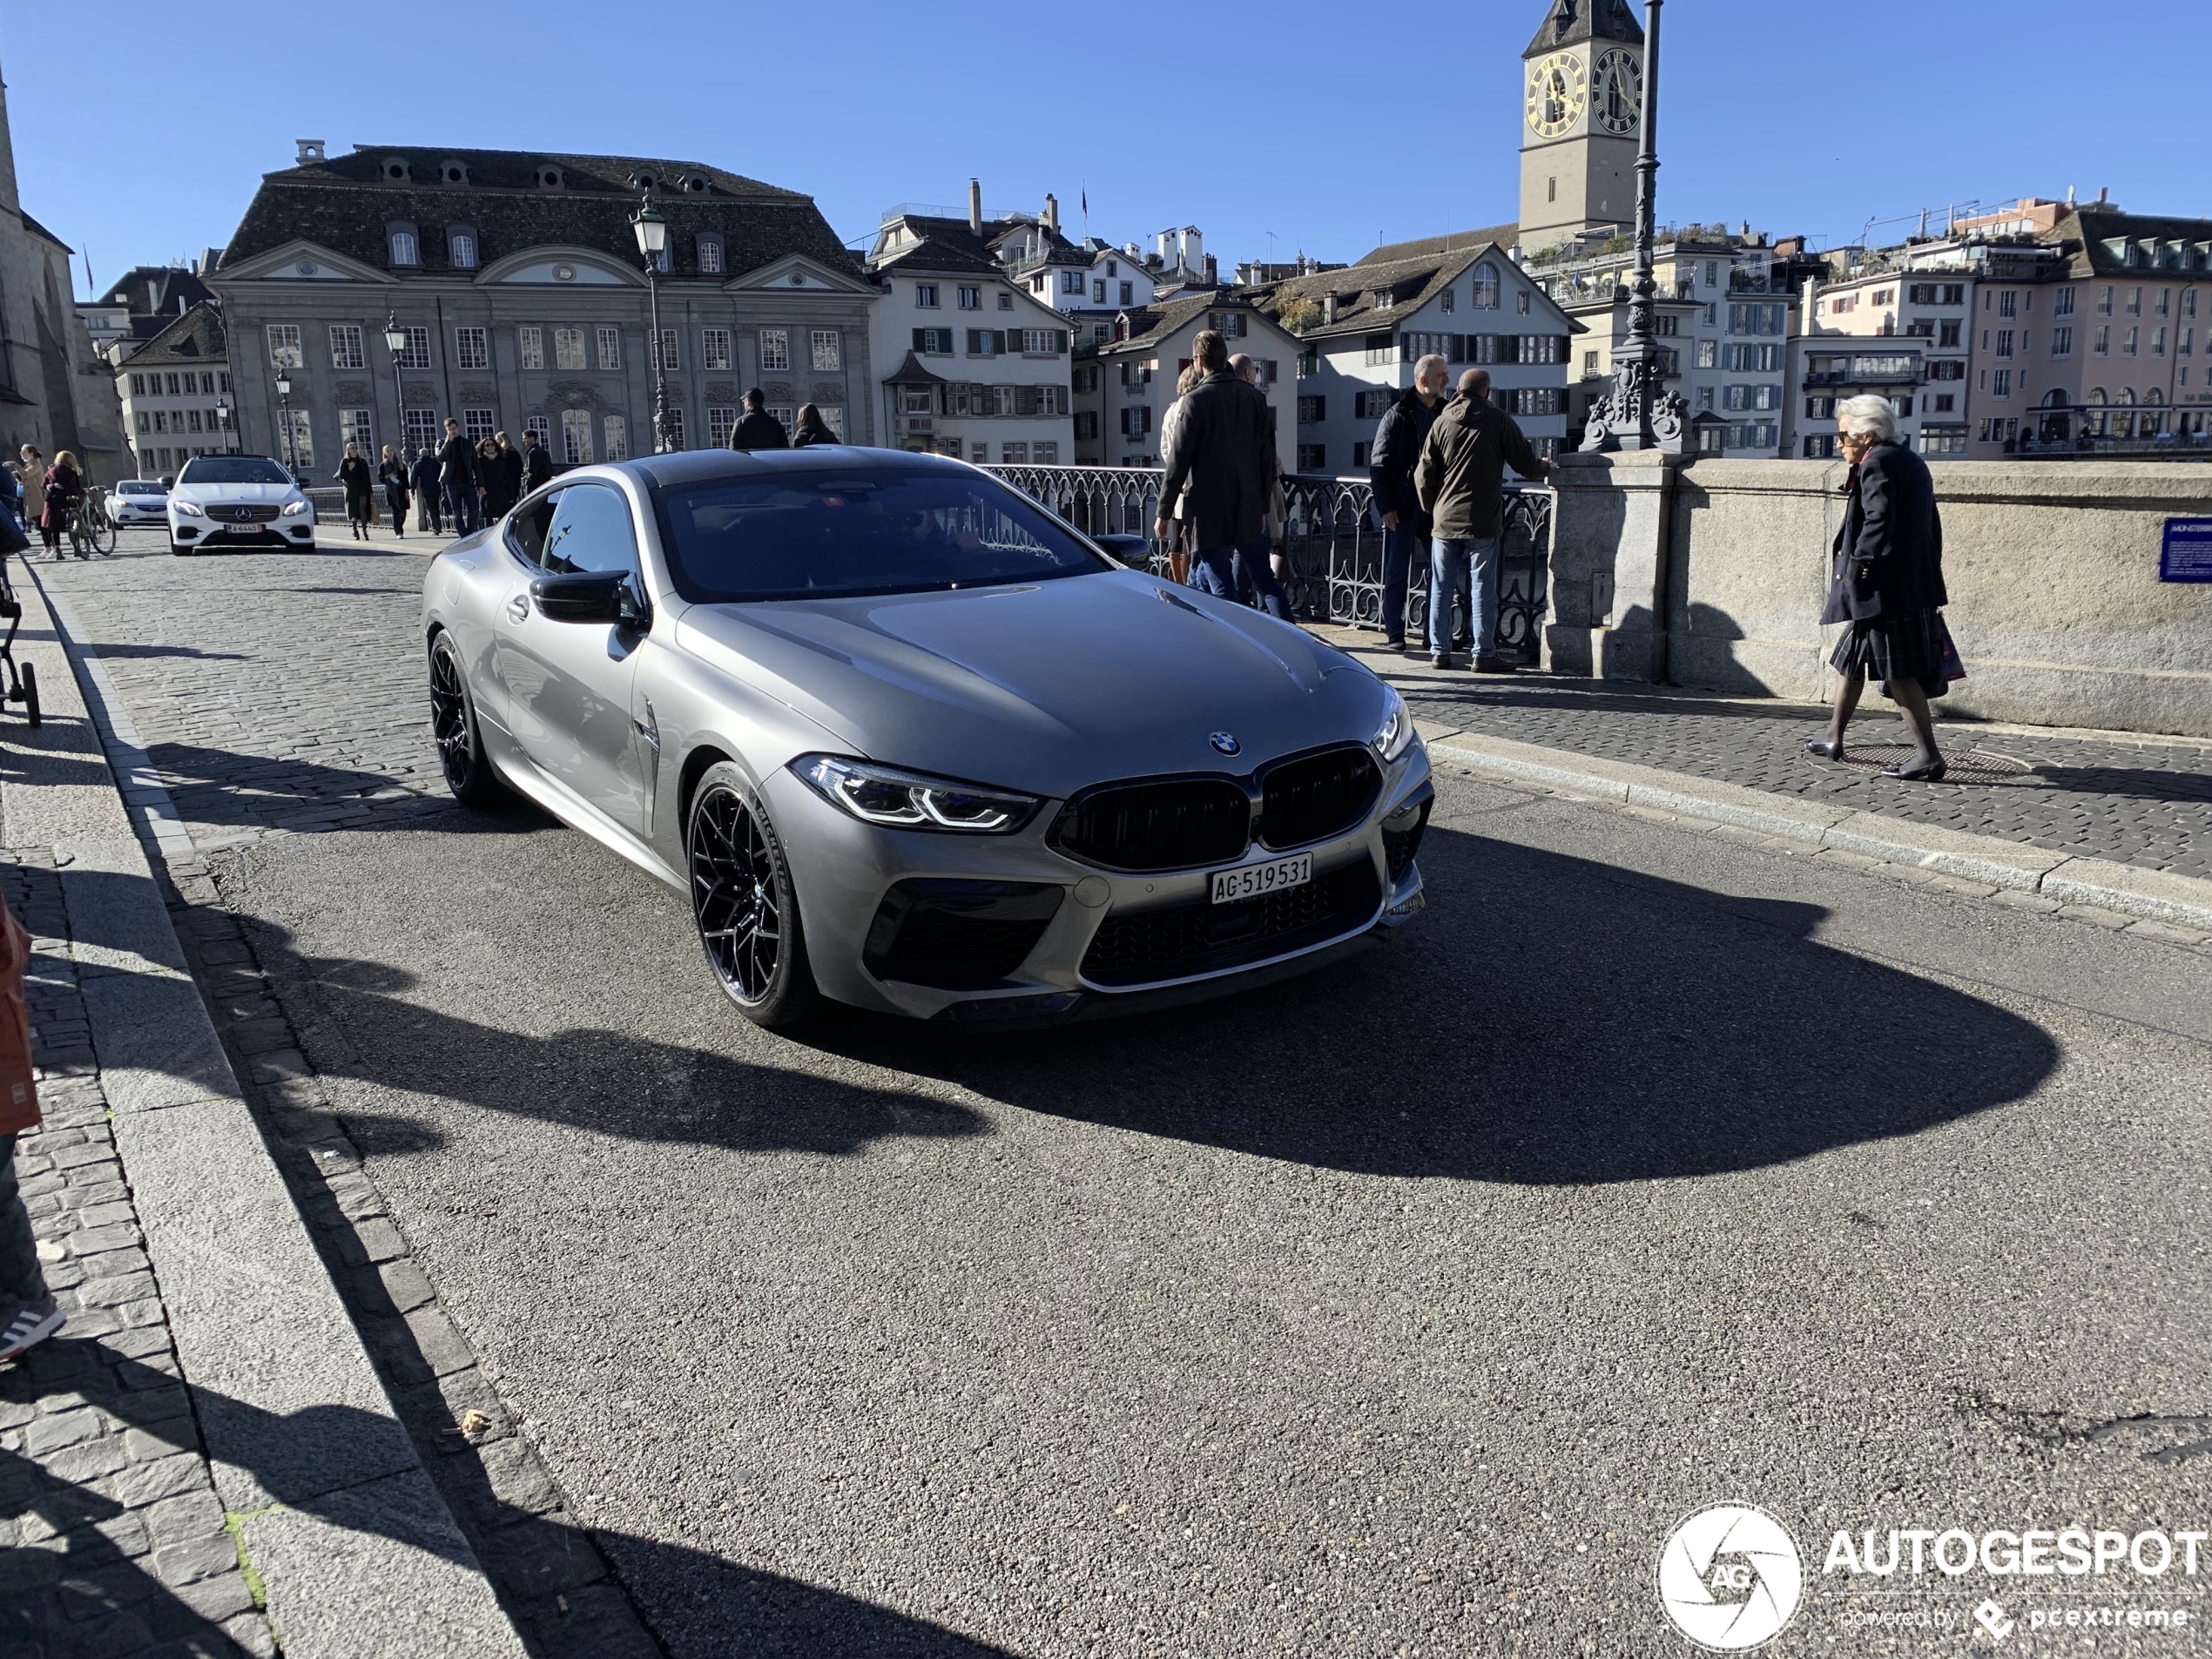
[{"x": 518, "y": 608}]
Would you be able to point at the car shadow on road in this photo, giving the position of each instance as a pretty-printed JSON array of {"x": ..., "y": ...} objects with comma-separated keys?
[{"x": 1550, "y": 1020}]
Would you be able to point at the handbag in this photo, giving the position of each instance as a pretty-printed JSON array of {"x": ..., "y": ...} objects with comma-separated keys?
[{"x": 1953, "y": 668}]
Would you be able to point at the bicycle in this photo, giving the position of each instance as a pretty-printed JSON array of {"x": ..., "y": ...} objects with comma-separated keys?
[{"x": 91, "y": 527}]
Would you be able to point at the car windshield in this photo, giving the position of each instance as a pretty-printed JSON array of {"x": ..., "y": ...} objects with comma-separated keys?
[
  {"x": 809, "y": 535},
  {"x": 232, "y": 470},
  {"x": 131, "y": 487}
]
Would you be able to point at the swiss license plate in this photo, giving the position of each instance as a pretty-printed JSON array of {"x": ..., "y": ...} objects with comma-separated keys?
[{"x": 1256, "y": 881}]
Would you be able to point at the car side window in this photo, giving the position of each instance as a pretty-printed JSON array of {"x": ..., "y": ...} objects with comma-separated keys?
[
  {"x": 526, "y": 527},
  {"x": 591, "y": 531}
]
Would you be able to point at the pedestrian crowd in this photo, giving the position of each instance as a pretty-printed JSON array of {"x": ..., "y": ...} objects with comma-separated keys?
[
  {"x": 461, "y": 484},
  {"x": 36, "y": 493}
]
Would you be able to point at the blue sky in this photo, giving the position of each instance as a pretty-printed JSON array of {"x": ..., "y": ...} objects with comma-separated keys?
[{"x": 1334, "y": 128}]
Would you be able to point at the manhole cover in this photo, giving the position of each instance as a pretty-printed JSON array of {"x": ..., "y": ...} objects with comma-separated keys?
[{"x": 1962, "y": 765}]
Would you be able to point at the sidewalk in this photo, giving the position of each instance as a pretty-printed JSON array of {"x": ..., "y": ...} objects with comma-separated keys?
[
  {"x": 203, "y": 1460},
  {"x": 2143, "y": 801}
]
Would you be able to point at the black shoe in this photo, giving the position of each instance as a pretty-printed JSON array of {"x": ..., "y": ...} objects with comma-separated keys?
[
  {"x": 1439, "y": 659},
  {"x": 1918, "y": 771},
  {"x": 1823, "y": 748},
  {"x": 1394, "y": 645}
]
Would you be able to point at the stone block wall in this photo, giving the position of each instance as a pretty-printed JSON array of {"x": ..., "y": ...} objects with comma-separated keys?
[{"x": 2053, "y": 569}]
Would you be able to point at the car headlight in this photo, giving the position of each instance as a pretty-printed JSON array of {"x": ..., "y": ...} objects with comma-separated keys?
[
  {"x": 895, "y": 800},
  {"x": 1395, "y": 735},
  {"x": 190, "y": 509},
  {"x": 295, "y": 509}
]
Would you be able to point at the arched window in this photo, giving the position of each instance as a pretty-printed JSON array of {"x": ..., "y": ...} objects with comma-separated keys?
[
  {"x": 2097, "y": 423},
  {"x": 711, "y": 255},
  {"x": 2151, "y": 422},
  {"x": 405, "y": 251},
  {"x": 462, "y": 245},
  {"x": 1486, "y": 287},
  {"x": 2123, "y": 424}
]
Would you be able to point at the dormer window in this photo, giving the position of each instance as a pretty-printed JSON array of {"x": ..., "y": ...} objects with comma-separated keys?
[
  {"x": 405, "y": 248},
  {"x": 461, "y": 248},
  {"x": 695, "y": 184},
  {"x": 711, "y": 255},
  {"x": 395, "y": 169},
  {"x": 641, "y": 181},
  {"x": 548, "y": 178},
  {"x": 453, "y": 172}
]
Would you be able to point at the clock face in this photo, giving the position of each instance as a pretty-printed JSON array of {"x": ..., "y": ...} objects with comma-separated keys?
[
  {"x": 1558, "y": 87},
  {"x": 1616, "y": 86}
]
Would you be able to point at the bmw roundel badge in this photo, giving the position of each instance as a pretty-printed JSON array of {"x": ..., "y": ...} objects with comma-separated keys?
[{"x": 1224, "y": 743}]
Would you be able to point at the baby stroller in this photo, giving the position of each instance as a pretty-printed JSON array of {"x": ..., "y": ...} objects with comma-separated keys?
[{"x": 22, "y": 678}]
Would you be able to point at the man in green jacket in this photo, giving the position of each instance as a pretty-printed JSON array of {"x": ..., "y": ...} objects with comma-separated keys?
[{"x": 1459, "y": 482}]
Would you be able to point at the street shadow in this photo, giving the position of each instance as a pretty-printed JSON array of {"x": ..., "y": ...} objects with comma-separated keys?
[
  {"x": 2135, "y": 783},
  {"x": 1550, "y": 1020},
  {"x": 222, "y": 787},
  {"x": 119, "y": 652},
  {"x": 81, "y": 1586}
]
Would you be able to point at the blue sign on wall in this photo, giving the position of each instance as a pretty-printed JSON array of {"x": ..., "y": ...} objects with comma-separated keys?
[{"x": 2186, "y": 554}]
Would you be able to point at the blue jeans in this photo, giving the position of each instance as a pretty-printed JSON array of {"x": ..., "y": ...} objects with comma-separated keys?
[
  {"x": 461, "y": 508},
  {"x": 1398, "y": 564},
  {"x": 1223, "y": 570},
  {"x": 1458, "y": 564}
]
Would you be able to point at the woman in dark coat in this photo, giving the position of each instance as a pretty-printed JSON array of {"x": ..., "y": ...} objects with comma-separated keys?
[
  {"x": 811, "y": 429},
  {"x": 391, "y": 472},
  {"x": 64, "y": 489},
  {"x": 353, "y": 474},
  {"x": 1888, "y": 585},
  {"x": 503, "y": 475}
]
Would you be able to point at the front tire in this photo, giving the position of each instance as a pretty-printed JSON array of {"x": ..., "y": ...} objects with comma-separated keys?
[
  {"x": 743, "y": 904},
  {"x": 469, "y": 772}
]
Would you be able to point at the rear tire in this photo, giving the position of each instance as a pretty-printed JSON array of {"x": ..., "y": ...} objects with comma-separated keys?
[
  {"x": 30, "y": 677},
  {"x": 468, "y": 770},
  {"x": 743, "y": 904}
]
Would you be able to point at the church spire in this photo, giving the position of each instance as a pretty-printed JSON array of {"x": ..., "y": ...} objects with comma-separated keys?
[{"x": 1570, "y": 22}]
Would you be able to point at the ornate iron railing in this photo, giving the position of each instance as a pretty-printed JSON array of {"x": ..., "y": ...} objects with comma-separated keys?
[{"x": 1333, "y": 540}]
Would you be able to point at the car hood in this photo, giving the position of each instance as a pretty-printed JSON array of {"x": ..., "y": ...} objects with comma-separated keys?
[
  {"x": 234, "y": 495},
  {"x": 1046, "y": 687}
]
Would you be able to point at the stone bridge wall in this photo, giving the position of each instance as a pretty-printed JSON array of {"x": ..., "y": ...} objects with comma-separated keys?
[{"x": 1710, "y": 573}]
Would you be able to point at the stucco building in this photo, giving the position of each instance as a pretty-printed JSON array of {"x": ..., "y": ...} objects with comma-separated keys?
[
  {"x": 177, "y": 394},
  {"x": 517, "y": 278},
  {"x": 1123, "y": 387}
]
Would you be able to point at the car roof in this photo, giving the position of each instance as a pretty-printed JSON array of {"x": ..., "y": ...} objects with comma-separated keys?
[{"x": 704, "y": 466}]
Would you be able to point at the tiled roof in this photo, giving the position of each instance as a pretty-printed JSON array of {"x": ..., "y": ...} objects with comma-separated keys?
[
  {"x": 344, "y": 204},
  {"x": 37, "y": 229},
  {"x": 1149, "y": 325},
  {"x": 1358, "y": 288},
  {"x": 2095, "y": 239},
  {"x": 156, "y": 289},
  {"x": 196, "y": 337},
  {"x": 944, "y": 244},
  {"x": 1573, "y": 21},
  {"x": 1454, "y": 242}
]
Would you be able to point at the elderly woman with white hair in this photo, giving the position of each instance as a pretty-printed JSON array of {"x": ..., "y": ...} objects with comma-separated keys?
[{"x": 1888, "y": 585}]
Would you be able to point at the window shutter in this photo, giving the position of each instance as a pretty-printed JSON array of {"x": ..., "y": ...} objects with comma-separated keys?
[
  {"x": 921, "y": 339},
  {"x": 974, "y": 342},
  {"x": 1059, "y": 342},
  {"x": 998, "y": 342}
]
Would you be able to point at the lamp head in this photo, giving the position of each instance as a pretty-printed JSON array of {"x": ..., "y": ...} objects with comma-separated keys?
[
  {"x": 283, "y": 385},
  {"x": 394, "y": 336},
  {"x": 651, "y": 228}
]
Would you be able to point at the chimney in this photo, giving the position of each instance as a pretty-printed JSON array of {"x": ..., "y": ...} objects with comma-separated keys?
[
  {"x": 2104, "y": 193},
  {"x": 310, "y": 150},
  {"x": 1328, "y": 308},
  {"x": 1052, "y": 212},
  {"x": 1194, "y": 250},
  {"x": 976, "y": 206}
]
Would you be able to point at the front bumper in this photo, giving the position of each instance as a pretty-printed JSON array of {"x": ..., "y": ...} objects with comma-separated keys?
[
  {"x": 844, "y": 872},
  {"x": 281, "y": 532}
]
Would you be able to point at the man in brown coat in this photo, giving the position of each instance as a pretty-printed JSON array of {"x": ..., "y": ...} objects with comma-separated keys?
[{"x": 1459, "y": 481}]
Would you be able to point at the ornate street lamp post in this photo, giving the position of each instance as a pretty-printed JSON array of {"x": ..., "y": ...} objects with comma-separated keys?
[
  {"x": 652, "y": 237},
  {"x": 284, "y": 415},
  {"x": 396, "y": 343},
  {"x": 1639, "y": 412}
]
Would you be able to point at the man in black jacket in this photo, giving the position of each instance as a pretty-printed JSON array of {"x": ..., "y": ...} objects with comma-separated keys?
[
  {"x": 757, "y": 428},
  {"x": 537, "y": 464},
  {"x": 1399, "y": 438},
  {"x": 1460, "y": 479},
  {"x": 457, "y": 477},
  {"x": 1222, "y": 466}
]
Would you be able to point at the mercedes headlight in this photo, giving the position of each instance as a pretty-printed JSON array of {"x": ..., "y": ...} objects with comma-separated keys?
[
  {"x": 1395, "y": 735},
  {"x": 895, "y": 800},
  {"x": 190, "y": 509},
  {"x": 295, "y": 508}
]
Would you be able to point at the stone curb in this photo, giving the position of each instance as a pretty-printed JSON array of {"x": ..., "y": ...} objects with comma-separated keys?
[
  {"x": 355, "y": 1550},
  {"x": 2151, "y": 895}
]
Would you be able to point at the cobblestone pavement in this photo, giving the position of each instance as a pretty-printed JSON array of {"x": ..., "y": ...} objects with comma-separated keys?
[
  {"x": 112, "y": 1541},
  {"x": 2147, "y": 803},
  {"x": 319, "y": 722}
]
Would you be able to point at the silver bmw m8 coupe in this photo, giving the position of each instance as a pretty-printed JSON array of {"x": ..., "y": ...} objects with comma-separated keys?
[{"x": 910, "y": 742}]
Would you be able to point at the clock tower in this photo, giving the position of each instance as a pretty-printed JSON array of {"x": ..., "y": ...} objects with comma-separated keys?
[{"x": 1582, "y": 119}]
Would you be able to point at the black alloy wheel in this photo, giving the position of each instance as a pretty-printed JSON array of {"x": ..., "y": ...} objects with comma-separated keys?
[
  {"x": 453, "y": 724},
  {"x": 743, "y": 903}
]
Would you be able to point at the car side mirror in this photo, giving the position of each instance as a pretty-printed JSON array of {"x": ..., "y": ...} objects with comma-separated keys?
[{"x": 589, "y": 597}]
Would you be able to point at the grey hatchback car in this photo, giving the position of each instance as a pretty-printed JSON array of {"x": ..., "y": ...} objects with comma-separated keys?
[{"x": 908, "y": 741}]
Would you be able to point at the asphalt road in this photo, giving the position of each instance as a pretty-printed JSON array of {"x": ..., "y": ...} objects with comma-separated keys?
[{"x": 1404, "y": 1309}]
